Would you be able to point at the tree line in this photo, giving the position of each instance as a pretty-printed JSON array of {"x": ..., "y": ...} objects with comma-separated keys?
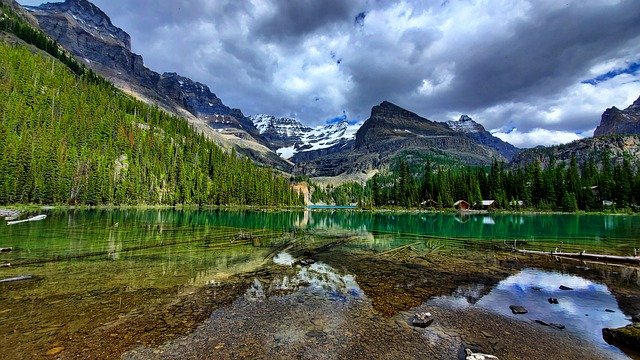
[{"x": 599, "y": 184}]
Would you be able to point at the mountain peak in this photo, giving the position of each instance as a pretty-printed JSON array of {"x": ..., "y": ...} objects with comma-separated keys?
[
  {"x": 89, "y": 17},
  {"x": 465, "y": 125},
  {"x": 635, "y": 105},
  {"x": 615, "y": 121}
]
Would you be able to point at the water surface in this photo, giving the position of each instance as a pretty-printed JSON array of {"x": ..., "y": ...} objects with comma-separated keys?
[{"x": 94, "y": 269}]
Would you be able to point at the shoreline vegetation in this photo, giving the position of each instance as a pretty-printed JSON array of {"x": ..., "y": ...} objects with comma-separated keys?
[{"x": 399, "y": 210}]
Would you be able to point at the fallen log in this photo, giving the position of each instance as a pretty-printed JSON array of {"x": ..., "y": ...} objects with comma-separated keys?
[
  {"x": 6, "y": 250},
  {"x": 17, "y": 278},
  {"x": 7, "y": 265},
  {"x": 35, "y": 218},
  {"x": 583, "y": 255}
]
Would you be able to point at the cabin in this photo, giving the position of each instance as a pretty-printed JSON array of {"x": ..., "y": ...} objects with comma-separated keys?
[
  {"x": 461, "y": 205},
  {"x": 488, "y": 204}
]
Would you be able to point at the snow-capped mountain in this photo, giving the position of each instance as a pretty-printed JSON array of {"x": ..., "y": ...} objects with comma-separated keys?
[
  {"x": 290, "y": 137},
  {"x": 477, "y": 132},
  {"x": 465, "y": 125}
]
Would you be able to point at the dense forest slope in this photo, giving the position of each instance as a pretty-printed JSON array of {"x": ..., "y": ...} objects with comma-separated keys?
[{"x": 68, "y": 136}]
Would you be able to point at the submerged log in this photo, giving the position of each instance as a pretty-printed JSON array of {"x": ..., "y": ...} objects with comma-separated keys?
[
  {"x": 35, "y": 218},
  {"x": 17, "y": 278},
  {"x": 583, "y": 255}
]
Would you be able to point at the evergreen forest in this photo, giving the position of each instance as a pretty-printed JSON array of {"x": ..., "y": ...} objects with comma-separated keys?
[
  {"x": 69, "y": 137},
  {"x": 599, "y": 184}
]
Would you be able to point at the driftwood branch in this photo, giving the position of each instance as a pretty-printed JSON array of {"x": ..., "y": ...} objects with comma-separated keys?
[{"x": 584, "y": 255}]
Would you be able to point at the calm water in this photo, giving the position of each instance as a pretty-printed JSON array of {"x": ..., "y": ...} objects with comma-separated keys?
[{"x": 90, "y": 268}]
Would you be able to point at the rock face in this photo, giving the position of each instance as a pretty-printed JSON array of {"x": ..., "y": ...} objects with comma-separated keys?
[
  {"x": 620, "y": 122},
  {"x": 477, "y": 132},
  {"x": 392, "y": 131}
]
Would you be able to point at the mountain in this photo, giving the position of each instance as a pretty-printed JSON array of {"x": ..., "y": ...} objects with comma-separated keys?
[
  {"x": 88, "y": 33},
  {"x": 296, "y": 141},
  {"x": 620, "y": 122},
  {"x": 477, "y": 132},
  {"x": 617, "y": 146},
  {"x": 391, "y": 132},
  {"x": 280, "y": 132},
  {"x": 614, "y": 135}
]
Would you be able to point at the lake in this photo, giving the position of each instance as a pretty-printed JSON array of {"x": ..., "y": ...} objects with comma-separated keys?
[{"x": 144, "y": 283}]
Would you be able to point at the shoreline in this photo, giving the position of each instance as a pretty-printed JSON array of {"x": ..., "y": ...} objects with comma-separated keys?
[{"x": 23, "y": 208}]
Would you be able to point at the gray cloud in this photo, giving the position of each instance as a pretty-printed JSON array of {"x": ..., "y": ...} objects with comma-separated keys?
[
  {"x": 301, "y": 17},
  {"x": 506, "y": 63}
]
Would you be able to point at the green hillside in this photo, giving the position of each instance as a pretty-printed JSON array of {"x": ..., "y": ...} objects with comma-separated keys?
[{"x": 74, "y": 139}]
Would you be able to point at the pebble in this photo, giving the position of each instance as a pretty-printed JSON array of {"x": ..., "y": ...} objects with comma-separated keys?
[{"x": 55, "y": 351}]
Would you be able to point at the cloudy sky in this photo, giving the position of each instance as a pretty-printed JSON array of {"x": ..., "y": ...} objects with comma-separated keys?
[{"x": 533, "y": 72}]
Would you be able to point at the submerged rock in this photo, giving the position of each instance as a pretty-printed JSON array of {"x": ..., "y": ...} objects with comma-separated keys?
[
  {"x": 626, "y": 337},
  {"x": 422, "y": 319},
  {"x": 552, "y": 301},
  {"x": 562, "y": 287},
  {"x": 535, "y": 288},
  {"x": 470, "y": 355},
  {"x": 518, "y": 310},
  {"x": 553, "y": 325},
  {"x": 305, "y": 262}
]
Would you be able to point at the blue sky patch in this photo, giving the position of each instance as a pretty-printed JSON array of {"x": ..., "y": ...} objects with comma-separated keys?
[{"x": 631, "y": 69}]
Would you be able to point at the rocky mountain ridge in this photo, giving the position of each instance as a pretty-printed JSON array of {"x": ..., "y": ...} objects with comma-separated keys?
[
  {"x": 390, "y": 132},
  {"x": 291, "y": 138},
  {"x": 617, "y": 146},
  {"x": 620, "y": 122},
  {"x": 88, "y": 33},
  {"x": 618, "y": 135},
  {"x": 477, "y": 132}
]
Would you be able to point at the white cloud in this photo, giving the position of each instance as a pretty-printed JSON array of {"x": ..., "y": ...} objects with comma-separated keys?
[{"x": 537, "y": 137}]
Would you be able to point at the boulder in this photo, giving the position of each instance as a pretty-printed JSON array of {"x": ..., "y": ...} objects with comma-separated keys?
[
  {"x": 422, "y": 319},
  {"x": 566, "y": 288},
  {"x": 626, "y": 337},
  {"x": 552, "y": 301},
  {"x": 470, "y": 355}
]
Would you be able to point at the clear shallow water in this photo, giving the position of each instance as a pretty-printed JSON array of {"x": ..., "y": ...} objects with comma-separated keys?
[
  {"x": 583, "y": 310},
  {"x": 95, "y": 267}
]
